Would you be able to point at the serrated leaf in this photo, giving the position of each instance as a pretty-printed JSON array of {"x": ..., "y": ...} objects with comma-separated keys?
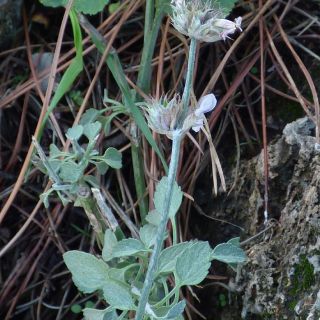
[
  {"x": 113, "y": 158},
  {"x": 148, "y": 235},
  {"x": 94, "y": 314},
  {"x": 110, "y": 241},
  {"x": 88, "y": 272},
  {"x": 228, "y": 253},
  {"x": 154, "y": 217},
  {"x": 91, "y": 130},
  {"x": 84, "y": 6},
  {"x": 75, "y": 132},
  {"x": 118, "y": 295},
  {"x": 193, "y": 264},
  {"x": 168, "y": 257},
  {"x": 128, "y": 247},
  {"x": 89, "y": 116},
  {"x": 160, "y": 194},
  {"x": 70, "y": 172},
  {"x": 167, "y": 313}
]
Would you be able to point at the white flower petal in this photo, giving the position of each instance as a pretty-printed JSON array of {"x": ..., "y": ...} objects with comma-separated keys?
[
  {"x": 205, "y": 104},
  {"x": 197, "y": 124}
]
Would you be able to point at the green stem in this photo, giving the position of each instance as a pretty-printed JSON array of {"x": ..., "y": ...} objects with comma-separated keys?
[
  {"x": 174, "y": 231},
  {"x": 188, "y": 85},
  {"x": 148, "y": 18},
  {"x": 177, "y": 137}
]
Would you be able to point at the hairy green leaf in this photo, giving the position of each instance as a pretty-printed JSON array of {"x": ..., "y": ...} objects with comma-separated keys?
[
  {"x": 70, "y": 172},
  {"x": 154, "y": 217},
  {"x": 91, "y": 130},
  {"x": 193, "y": 264},
  {"x": 168, "y": 257},
  {"x": 118, "y": 295},
  {"x": 84, "y": 6},
  {"x": 172, "y": 312},
  {"x": 113, "y": 158},
  {"x": 89, "y": 116},
  {"x": 160, "y": 194},
  {"x": 235, "y": 241},
  {"x": 128, "y": 247},
  {"x": 94, "y": 314},
  {"x": 110, "y": 241},
  {"x": 88, "y": 272},
  {"x": 148, "y": 235},
  {"x": 226, "y": 5},
  {"x": 228, "y": 253},
  {"x": 75, "y": 132}
]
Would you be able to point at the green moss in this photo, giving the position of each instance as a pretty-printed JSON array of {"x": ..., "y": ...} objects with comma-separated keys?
[{"x": 303, "y": 277}]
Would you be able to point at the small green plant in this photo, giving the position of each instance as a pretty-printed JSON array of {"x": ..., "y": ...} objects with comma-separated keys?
[
  {"x": 132, "y": 275},
  {"x": 66, "y": 169}
]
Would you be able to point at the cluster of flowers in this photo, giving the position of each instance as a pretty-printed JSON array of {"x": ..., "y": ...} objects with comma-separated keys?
[{"x": 203, "y": 21}]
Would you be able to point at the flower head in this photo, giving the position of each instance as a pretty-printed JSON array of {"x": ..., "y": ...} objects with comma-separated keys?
[
  {"x": 163, "y": 114},
  {"x": 201, "y": 20}
]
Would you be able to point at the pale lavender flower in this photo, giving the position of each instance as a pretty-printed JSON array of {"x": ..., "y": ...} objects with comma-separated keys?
[
  {"x": 163, "y": 114},
  {"x": 202, "y": 20}
]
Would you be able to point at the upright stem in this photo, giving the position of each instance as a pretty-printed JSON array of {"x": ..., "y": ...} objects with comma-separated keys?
[
  {"x": 189, "y": 78},
  {"x": 149, "y": 14},
  {"x": 177, "y": 136}
]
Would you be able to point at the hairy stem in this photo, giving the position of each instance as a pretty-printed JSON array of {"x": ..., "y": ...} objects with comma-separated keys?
[
  {"x": 188, "y": 85},
  {"x": 177, "y": 136}
]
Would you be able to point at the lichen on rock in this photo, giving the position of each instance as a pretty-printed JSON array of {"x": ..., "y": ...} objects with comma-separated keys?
[{"x": 281, "y": 279}]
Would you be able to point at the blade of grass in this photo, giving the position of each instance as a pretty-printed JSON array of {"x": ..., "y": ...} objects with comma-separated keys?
[{"x": 71, "y": 73}]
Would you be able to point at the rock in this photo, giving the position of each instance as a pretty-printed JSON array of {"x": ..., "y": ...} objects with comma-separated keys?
[
  {"x": 10, "y": 19},
  {"x": 282, "y": 277}
]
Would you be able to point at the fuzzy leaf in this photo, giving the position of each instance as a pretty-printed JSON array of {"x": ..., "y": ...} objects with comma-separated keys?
[
  {"x": 91, "y": 130},
  {"x": 113, "y": 158},
  {"x": 168, "y": 257},
  {"x": 70, "y": 172},
  {"x": 172, "y": 312},
  {"x": 148, "y": 235},
  {"x": 88, "y": 272},
  {"x": 110, "y": 241},
  {"x": 228, "y": 253},
  {"x": 154, "y": 217},
  {"x": 193, "y": 264},
  {"x": 94, "y": 314},
  {"x": 75, "y": 132},
  {"x": 54, "y": 151},
  {"x": 118, "y": 295},
  {"x": 159, "y": 197},
  {"x": 84, "y": 6},
  {"x": 226, "y": 5},
  {"x": 127, "y": 247},
  {"x": 235, "y": 241},
  {"x": 89, "y": 116}
]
